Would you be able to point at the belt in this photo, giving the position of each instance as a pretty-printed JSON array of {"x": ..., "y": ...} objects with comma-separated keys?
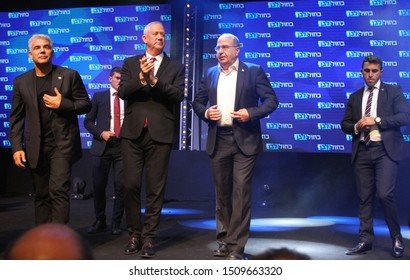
[
  {"x": 114, "y": 140},
  {"x": 225, "y": 129},
  {"x": 372, "y": 143}
]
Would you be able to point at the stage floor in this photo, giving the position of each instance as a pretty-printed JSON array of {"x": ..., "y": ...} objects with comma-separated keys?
[{"x": 187, "y": 232}]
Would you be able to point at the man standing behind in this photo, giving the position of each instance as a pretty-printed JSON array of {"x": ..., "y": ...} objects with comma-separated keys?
[
  {"x": 104, "y": 122},
  {"x": 374, "y": 115},
  {"x": 233, "y": 90},
  {"x": 44, "y": 132},
  {"x": 153, "y": 85}
]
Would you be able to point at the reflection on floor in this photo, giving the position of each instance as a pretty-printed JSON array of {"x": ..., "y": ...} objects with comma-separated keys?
[{"x": 187, "y": 231}]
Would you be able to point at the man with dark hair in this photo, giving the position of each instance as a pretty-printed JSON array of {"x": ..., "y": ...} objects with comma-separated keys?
[
  {"x": 374, "y": 115},
  {"x": 104, "y": 123}
]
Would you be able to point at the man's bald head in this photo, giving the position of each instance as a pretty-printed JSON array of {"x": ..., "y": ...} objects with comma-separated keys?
[{"x": 50, "y": 242}]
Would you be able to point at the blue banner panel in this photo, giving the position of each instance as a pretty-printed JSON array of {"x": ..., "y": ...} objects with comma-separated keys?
[
  {"x": 91, "y": 40},
  {"x": 312, "y": 52}
]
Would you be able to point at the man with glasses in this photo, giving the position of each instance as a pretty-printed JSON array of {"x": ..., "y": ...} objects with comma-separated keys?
[
  {"x": 374, "y": 115},
  {"x": 233, "y": 96}
]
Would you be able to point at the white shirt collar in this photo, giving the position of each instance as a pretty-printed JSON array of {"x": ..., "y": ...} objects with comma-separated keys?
[
  {"x": 376, "y": 86},
  {"x": 233, "y": 67},
  {"x": 158, "y": 57},
  {"x": 112, "y": 90}
]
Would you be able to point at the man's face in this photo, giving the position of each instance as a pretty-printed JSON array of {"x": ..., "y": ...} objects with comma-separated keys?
[
  {"x": 226, "y": 51},
  {"x": 155, "y": 39},
  {"x": 41, "y": 51},
  {"x": 115, "y": 80},
  {"x": 371, "y": 73}
]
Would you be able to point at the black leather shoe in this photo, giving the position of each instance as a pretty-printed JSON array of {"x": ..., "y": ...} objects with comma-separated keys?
[
  {"x": 234, "y": 256},
  {"x": 398, "y": 248},
  {"x": 116, "y": 230},
  {"x": 98, "y": 226},
  {"x": 133, "y": 246},
  {"x": 222, "y": 251},
  {"x": 360, "y": 248},
  {"x": 147, "y": 250}
]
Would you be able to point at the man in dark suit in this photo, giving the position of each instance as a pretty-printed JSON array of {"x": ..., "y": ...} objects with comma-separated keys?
[
  {"x": 106, "y": 152},
  {"x": 152, "y": 89},
  {"x": 44, "y": 132},
  {"x": 374, "y": 115},
  {"x": 232, "y": 98}
]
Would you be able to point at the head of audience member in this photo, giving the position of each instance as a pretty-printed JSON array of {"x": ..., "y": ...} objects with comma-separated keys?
[
  {"x": 281, "y": 254},
  {"x": 50, "y": 242}
]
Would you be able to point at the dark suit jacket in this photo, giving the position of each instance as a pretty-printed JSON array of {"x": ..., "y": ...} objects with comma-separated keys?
[
  {"x": 98, "y": 120},
  {"x": 64, "y": 123},
  {"x": 394, "y": 111},
  {"x": 252, "y": 86},
  {"x": 157, "y": 103}
]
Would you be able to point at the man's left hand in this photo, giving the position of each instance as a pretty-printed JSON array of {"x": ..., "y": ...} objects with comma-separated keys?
[{"x": 242, "y": 115}]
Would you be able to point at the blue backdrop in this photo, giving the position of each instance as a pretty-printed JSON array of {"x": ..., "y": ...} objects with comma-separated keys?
[
  {"x": 312, "y": 52},
  {"x": 90, "y": 40}
]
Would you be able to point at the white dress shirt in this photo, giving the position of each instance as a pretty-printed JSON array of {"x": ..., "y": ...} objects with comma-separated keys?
[
  {"x": 226, "y": 92},
  {"x": 112, "y": 96}
]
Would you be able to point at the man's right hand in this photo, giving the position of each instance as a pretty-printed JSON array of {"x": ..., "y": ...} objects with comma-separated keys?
[
  {"x": 19, "y": 158},
  {"x": 106, "y": 135},
  {"x": 213, "y": 113},
  {"x": 146, "y": 67}
]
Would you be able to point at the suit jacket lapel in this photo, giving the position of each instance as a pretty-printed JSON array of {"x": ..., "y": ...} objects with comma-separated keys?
[
  {"x": 57, "y": 80},
  {"x": 214, "y": 86},
  {"x": 105, "y": 110},
  {"x": 359, "y": 104},
  {"x": 163, "y": 65},
  {"x": 240, "y": 82},
  {"x": 381, "y": 99},
  {"x": 32, "y": 88}
]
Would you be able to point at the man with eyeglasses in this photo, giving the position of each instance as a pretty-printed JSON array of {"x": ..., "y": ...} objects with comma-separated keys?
[
  {"x": 374, "y": 115},
  {"x": 233, "y": 96}
]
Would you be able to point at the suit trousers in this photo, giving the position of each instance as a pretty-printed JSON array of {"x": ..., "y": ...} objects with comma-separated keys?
[
  {"x": 139, "y": 155},
  {"x": 111, "y": 157},
  {"x": 232, "y": 171},
  {"x": 51, "y": 180},
  {"x": 375, "y": 173}
]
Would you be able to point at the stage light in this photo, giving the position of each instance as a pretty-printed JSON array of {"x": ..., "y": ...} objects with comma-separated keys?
[
  {"x": 78, "y": 186},
  {"x": 177, "y": 211},
  {"x": 265, "y": 192},
  {"x": 265, "y": 224}
]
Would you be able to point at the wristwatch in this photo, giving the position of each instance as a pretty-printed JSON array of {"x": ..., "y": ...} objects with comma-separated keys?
[{"x": 378, "y": 120}]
